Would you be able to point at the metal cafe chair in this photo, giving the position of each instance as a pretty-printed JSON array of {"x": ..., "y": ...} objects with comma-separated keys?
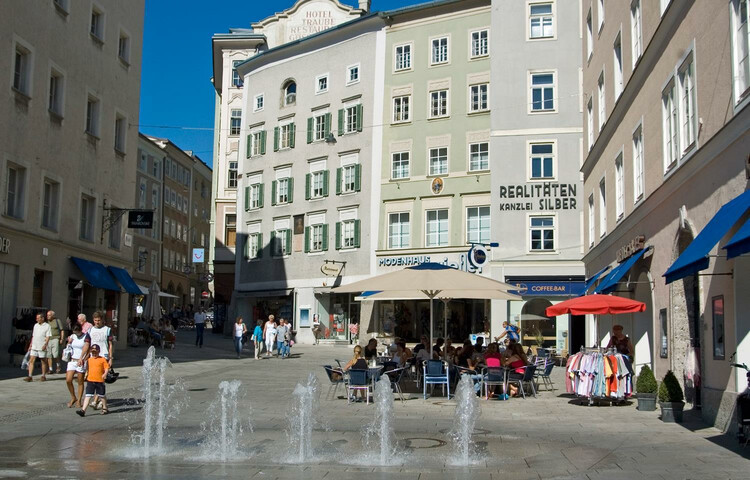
[
  {"x": 435, "y": 373},
  {"x": 493, "y": 377},
  {"x": 526, "y": 378},
  {"x": 358, "y": 380},
  {"x": 336, "y": 377},
  {"x": 395, "y": 376}
]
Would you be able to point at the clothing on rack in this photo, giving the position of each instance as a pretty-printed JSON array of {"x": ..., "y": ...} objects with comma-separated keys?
[{"x": 599, "y": 374}]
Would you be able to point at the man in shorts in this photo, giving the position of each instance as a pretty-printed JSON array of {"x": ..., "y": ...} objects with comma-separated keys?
[
  {"x": 57, "y": 336},
  {"x": 40, "y": 338},
  {"x": 97, "y": 372}
]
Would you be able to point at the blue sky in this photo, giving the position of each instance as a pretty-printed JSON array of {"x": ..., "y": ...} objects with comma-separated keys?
[{"x": 177, "y": 98}]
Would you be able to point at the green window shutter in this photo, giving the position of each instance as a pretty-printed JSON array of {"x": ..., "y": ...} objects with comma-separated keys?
[
  {"x": 291, "y": 190},
  {"x": 275, "y": 139},
  {"x": 263, "y": 142},
  {"x": 307, "y": 239},
  {"x": 260, "y": 195},
  {"x": 259, "y": 253},
  {"x": 292, "y": 134},
  {"x": 325, "y": 237},
  {"x": 310, "y": 126},
  {"x": 342, "y": 116},
  {"x": 328, "y": 125},
  {"x": 308, "y": 179},
  {"x": 247, "y": 198},
  {"x": 339, "y": 172},
  {"x": 249, "y": 144},
  {"x": 288, "y": 241},
  {"x": 273, "y": 192},
  {"x": 356, "y": 233},
  {"x": 325, "y": 183},
  {"x": 357, "y": 177},
  {"x": 338, "y": 235},
  {"x": 359, "y": 118},
  {"x": 246, "y": 250}
]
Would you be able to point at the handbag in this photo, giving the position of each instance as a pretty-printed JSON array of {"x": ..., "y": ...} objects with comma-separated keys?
[
  {"x": 67, "y": 354},
  {"x": 111, "y": 376}
]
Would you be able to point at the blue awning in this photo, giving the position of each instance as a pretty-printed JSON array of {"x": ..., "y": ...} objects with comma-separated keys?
[
  {"x": 96, "y": 274},
  {"x": 609, "y": 283},
  {"x": 695, "y": 257},
  {"x": 594, "y": 278},
  {"x": 740, "y": 242},
  {"x": 124, "y": 278}
]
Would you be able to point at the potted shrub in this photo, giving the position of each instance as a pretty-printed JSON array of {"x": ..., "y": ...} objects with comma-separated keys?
[
  {"x": 646, "y": 388},
  {"x": 671, "y": 399}
]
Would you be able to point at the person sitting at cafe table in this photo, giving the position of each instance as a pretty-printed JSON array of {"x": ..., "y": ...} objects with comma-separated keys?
[
  {"x": 402, "y": 354},
  {"x": 437, "y": 349},
  {"x": 357, "y": 363},
  {"x": 371, "y": 349},
  {"x": 620, "y": 341},
  {"x": 468, "y": 361},
  {"x": 424, "y": 342},
  {"x": 515, "y": 358},
  {"x": 492, "y": 356},
  {"x": 479, "y": 346}
]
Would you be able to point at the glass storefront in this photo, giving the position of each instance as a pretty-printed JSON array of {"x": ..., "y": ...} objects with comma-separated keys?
[
  {"x": 410, "y": 319},
  {"x": 536, "y": 328},
  {"x": 336, "y": 312}
]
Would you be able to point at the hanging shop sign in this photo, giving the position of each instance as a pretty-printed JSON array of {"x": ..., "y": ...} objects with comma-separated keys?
[
  {"x": 198, "y": 255},
  {"x": 549, "y": 289},
  {"x": 140, "y": 219},
  {"x": 632, "y": 247},
  {"x": 478, "y": 256},
  {"x": 538, "y": 196},
  {"x": 331, "y": 269},
  {"x": 4, "y": 245}
]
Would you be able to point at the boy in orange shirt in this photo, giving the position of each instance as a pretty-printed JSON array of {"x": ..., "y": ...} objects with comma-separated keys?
[{"x": 97, "y": 372}]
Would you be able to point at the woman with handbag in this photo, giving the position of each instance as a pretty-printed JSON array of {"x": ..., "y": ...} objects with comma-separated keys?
[
  {"x": 240, "y": 330},
  {"x": 75, "y": 354}
]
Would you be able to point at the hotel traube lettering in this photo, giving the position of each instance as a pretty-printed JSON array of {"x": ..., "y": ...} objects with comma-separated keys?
[
  {"x": 538, "y": 196},
  {"x": 312, "y": 22}
]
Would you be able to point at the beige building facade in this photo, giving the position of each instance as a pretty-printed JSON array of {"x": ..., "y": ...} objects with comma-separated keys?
[
  {"x": 148, "y": 196},
  {"x": 665, "y": 94}
]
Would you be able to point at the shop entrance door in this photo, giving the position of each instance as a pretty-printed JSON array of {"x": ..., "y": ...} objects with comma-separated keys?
[{"x": 577, "y": 333}]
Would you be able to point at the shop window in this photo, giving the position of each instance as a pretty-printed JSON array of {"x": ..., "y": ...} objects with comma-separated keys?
[{"x": 717, "y": 310}]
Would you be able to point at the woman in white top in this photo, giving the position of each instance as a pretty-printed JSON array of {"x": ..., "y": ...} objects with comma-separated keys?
[
  {"x": 80, "y": 343},
  {"x": 239, "y": 330},
  {"x": 270, "y": 335}
]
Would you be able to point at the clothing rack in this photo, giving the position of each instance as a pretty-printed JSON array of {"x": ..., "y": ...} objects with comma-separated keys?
[{"x": 599, "y": 374}]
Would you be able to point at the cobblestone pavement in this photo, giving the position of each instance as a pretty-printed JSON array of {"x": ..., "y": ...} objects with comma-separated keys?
[{"x": 551, "y": 436}]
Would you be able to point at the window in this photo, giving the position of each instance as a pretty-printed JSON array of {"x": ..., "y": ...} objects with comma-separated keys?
[
  {"x": 92, "y": 116},
  {"x": 230, "y": 231},
  {"x": 439, "y": 51},
  {"x": 541, "y": 21},
  {"x": 349, "y": 178},
  {"x": 617, "y": 53},
  {"x": 15, "y": 191},
  {"x": 352, "y": 121},
  {"x": 316, "y": 238},
  {"x": 439, "y": 161},
  {"x": 478, "y": 225},
  {"x": 141, "y": 260},
  {"x": 638, "y": 165},
  {"x": 602, "y": 105},
  {"x": 154, "y": 263},
  {"x": 602, "y": 208},
  {"x": 254, "y": 246},
  {"x": 256, "y": 196},
  {"x": 155, "y": 169},
  {"x": 403, "y": 57},
  {"x": 318, "y": 184},
  {"x": 285, "y": 136},
  {"x": 121, "y": 128},
  {"x": 142, "y": 193},
  {"x": 398, "y": 230},
  {"x": 258, "y": 103},
  {"x": 600, "y": 14},
  {"x": 479, "y": 156},
  {"x": 97, "y": 24},
  {"x": 542, "y": 161},
  {"x": 589, "y": 36},
  {"x": 283, "y": 192},
  {"x": 400, "y": 165},
  {"x": 401, "y": 108},
  {"x": 56, "y": 86},
  {"x": 480, "y": 43},
  {"x": 478, "y": 97},
  {"x": 590, "y": 122},
  {"x": 619, "y": 188},
  {"x": 235, "y": 121},
  {"x": 321, "y": 84},
  {"x": 155, "y": 197},
  {"x": 232, "y": 174},
  {"x": 542, "y": 234},
  {"x": 352, "y": 74},
  {"x": 741, "y": 48},
  {"x": 257, "y": 143},
  {"x": 322, "y": 127},
  {"x": 290, "y": 93},
  {"x": 142, "y": 161},
  {"x": 236, "y": 79},
  {"x": 88, "y": 219},
  {"x": 436, "y": 228},
  {"x": 123, "y": 47},
  {"x": 115, "y": 233},
  {"x": 22, "y": 70},
  {"x": 62, "y": 5},
  {"x": 670, "y": 127},
  {"x": 542, "y": 92},
  {"x": 347, "y": 234},
  {"x": 282, "y": 242},
  {"x": 591, "y": 219},
  {"x": 689, "y": 125},
  {"x": 439, "y": 104},
  {"x": 636, "y": 30}
]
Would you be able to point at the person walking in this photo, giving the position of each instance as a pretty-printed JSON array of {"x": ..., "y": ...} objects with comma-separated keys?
[
  {"x": 239, "y": 330},
  {"x": 57, "y": 337},
  {"x": 280, "y": 334},
  {"x": 85, "y": 326},
  {"x": 97, "y": 372},
  {"x": 258, "y": 339},
  {"x": 102, "y": 335},
  {"x": 40, "y": 338},
  {"x": 200, "y": 322},
  {"x": 269, "y": 335},
  {"x": 80, "y": 343}
]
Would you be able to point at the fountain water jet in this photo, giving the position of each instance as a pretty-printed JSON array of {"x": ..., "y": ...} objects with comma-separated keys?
[
  {"x": 465, "y": 417},
  {"x": 301, "y": 420},
  {"x": 381, "y": 428},
  {"x": 225, "y": 430}
]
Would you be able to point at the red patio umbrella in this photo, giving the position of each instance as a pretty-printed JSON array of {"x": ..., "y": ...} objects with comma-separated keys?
[{"x": 596, "y": 304}]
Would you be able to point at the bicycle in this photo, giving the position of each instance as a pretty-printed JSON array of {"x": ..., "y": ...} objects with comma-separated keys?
[{"x": 743, "y": 408}]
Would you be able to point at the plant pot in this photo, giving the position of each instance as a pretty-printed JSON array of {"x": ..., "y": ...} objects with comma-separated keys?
[
  {"x": 671, "y": 412},
  {"x": 646, "y": 402}
]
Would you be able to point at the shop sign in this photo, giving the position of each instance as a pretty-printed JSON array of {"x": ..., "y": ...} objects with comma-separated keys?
[
  {"x": 140, "y": 219},
  {"x": 198, "y": 255},
  {"x": 632, "y": 247},
  {"x": 538, "y": 196},
  {"x": 549, "y": 289},
  {"x": 4, "y": 245},
  {"x": 478, "y": 256},
  {"x": 461, "y": 263},
  {"x": 331, "y": 269}
]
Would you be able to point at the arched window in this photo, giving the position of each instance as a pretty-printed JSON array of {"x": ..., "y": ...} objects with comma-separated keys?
[{"x": 290, "y": 92}]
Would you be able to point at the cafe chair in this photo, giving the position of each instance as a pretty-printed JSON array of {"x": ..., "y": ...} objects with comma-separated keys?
[
  {"x": 543, "y": 375},
  {"x": 336, "y": 377},
  {"x": 492, "y": 377},
  {"x": 527, "y": 377},
  {"x": 395, "y": 376},
  {"x": 358, "y": 380},
  {"x": 435, "y": 373}
]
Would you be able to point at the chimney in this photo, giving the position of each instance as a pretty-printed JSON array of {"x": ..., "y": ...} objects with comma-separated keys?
[{"x": 364, "y": 5}]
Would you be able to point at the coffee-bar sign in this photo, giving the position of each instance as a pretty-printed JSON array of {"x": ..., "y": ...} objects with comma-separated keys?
[
  {"x": 311, "y": 21},
  {"x": 4, "y": 245},
  {"x": 632, "y": 247},
  {"x": 538, "y": 196}
]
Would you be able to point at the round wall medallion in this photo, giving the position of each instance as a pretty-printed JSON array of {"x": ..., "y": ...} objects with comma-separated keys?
[{"x": 437, "y": 185}]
